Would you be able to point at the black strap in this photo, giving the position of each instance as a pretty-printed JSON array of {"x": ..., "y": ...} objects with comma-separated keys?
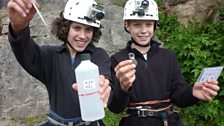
[
  {"x": 56, "y": 122},
  {"x": 142, "y": 113},
  {"x": 59, "y": 119},
  {"x": 164, "y": 117},
  {"x": 146, "y": 113}
]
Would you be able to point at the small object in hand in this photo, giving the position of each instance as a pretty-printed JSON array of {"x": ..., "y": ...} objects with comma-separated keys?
[
  {"x": 41, "y": 17},
  {"x": 132, "y": 57},
  {"x": 210, "y": 73}
]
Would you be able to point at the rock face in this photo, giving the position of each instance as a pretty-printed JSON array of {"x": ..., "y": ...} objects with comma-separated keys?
[
  {"x": 193, "y": 10},
  {"x": 22, "y": 95}
]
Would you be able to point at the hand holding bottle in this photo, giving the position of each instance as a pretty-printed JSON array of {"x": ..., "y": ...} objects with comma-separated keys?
[
  {"x": 90, "y": 95},
  {"x": 104, "y": 89}
]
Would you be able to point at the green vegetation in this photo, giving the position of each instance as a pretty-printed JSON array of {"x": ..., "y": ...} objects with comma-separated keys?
[
  {"x": 111, "y": 119},
  {"x": 197, "y": 46},
  {"x": 27, "y": 121},
  {"x": 31, "y": 120}
]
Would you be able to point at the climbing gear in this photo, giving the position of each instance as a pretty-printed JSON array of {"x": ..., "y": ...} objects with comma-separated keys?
[
  {"x": 149, "y": 102},
  {"x": 55, "y": 119},
  {"x": 157, "y": 108},
  {"x": 144, "y": 111},
  {"x": 84, "y": 11},
  {"x": 141, "y": 10}
]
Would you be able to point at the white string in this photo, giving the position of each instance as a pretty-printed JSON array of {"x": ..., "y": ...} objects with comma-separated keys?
[{"x": 41, "y": 17}]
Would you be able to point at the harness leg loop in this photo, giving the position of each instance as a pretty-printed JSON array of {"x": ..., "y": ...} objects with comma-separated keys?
[{"x": 165, "y": 121}]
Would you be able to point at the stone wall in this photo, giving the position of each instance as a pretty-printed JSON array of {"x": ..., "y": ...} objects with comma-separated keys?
[
  {"x": 194, "y": 10},
  {"x": 175, "y": 2}
]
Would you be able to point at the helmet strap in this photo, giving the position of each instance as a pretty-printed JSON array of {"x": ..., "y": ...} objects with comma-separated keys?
[
  {"x": 155, "y": 26},
  {"x": 70, "y": 46}
]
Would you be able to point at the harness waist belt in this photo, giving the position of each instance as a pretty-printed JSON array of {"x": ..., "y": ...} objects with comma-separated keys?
[
  {"x": 144, "y": 112},
  {"x": 55, "y": 119},
  {"x": 150, "y": 102}
]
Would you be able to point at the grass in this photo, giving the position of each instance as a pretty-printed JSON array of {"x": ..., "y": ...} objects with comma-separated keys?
[
  {"x": 110, "y": 119},
  {"x": 26, "y": 121},
  {"x": 32, "y": 120}
]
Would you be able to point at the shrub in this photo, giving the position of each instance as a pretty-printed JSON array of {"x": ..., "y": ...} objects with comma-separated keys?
[{"x": 197, "y": 46}]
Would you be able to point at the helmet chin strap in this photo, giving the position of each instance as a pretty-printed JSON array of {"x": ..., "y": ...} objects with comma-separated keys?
[
  {"x": 70, "y": 46},
  {"x": 146, "y": 45}
]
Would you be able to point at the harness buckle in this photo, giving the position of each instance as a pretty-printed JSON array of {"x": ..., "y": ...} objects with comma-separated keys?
[
  {"x": 142, "y": 113},
  {"x": 70, "y": 123}
]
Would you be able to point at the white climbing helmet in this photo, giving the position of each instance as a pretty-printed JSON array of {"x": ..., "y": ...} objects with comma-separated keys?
[
  {"x": 84, "y": 11},
  {"x": 141, "y": 10}
]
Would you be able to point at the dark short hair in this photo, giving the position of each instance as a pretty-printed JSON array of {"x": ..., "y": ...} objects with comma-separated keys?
[{"x": 60, "y": 28}]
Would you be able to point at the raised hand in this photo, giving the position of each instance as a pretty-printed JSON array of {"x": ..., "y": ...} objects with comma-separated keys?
[
  {"x": 125, "y": 72},
  {"x": 20, "y": 13}
]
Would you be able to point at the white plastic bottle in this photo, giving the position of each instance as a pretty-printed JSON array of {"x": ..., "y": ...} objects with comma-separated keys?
[{"x": 87, "y": 77}]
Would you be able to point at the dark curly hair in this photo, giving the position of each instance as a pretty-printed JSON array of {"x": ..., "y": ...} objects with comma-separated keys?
[{"x": 60, "y": 28}]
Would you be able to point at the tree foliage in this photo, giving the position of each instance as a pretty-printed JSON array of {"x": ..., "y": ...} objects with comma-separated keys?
[{"x": 197, "y": 46}]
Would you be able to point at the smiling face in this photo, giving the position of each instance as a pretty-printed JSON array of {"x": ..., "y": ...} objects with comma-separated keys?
[
  {"x": 79, "y": 36},
  {"x": 140, "y": 30}
]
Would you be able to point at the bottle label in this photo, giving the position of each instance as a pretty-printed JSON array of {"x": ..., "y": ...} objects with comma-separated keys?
[{"x": 89, "y": 84}]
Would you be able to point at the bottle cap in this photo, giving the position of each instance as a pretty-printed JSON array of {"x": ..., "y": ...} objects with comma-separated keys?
[{"x": 85, "y": 56}]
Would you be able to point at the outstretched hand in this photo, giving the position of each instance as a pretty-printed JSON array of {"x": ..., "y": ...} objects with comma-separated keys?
[
  {"x": 20, "y": 13},
  {"x": 104, "y": 89},
  {"x": 206, "y": 91},
  {"x": 125, "y": 72}
]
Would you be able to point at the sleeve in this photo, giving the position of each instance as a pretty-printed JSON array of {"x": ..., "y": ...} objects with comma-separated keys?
[
  {"x": 27, "y": 53},
  {"x": 104, "y": 63},
  {"x": 120, "y": 98},
  {"x": 182, "y": 93},
  {"x": 102, "y": 59}
]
